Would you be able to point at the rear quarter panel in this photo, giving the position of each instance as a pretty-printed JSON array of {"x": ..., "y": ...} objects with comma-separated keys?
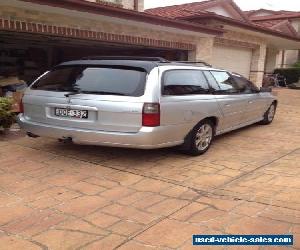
[{"x": 267, "y": 99}]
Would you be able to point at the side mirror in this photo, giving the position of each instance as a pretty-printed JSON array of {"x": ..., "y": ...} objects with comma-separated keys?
[{"x": 265, "y": 89}]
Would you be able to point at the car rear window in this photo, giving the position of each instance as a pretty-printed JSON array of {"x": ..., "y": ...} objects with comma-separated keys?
[{"x": 125, "y": 81}]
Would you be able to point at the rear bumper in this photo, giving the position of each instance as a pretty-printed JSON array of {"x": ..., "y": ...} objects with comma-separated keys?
[{"x": 146, "y": 138}]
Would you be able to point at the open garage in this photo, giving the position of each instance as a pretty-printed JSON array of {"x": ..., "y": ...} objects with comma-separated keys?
[
  {"x": 31, "y": 54},
  {"x": 37, "y": 38}
]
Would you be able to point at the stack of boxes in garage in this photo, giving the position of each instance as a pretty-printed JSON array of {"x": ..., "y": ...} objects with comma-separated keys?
[{"x": 18, "y": 68}]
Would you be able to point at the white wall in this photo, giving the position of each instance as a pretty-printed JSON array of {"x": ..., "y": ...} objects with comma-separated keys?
[
  {"x": 262, "y": 14},
  {"x": 296, "y": 24},
  {"x": 127, "y": 4},
  {"x": 110, "y": 1},
  {"x": 291, "y": 57},
  {"x": 220, "y": 11}
]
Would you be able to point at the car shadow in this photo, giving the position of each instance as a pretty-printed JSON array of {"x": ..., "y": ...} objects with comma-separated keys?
[
  {"x": 109, "y": 153},
  {"x": 235, "y": 132}
]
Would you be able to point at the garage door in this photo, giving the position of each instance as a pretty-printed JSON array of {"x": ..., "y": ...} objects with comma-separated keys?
[{"x": 234, "y": 59}]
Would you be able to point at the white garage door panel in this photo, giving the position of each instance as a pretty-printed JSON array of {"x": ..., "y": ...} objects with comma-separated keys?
[{"x": 233, "y": 59}]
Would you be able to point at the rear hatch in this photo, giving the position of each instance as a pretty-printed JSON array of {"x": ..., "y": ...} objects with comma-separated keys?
[{"x": 90, "y": 97}]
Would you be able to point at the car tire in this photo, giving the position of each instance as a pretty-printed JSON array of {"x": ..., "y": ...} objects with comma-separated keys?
[
  {"x": 200, "y": 138},
  {"x": 269, "y": 115}
]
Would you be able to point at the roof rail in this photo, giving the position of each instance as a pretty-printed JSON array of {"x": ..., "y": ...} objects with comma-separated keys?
[
  {"x": 134, "y": 58},
  {"x": 195, "y": 62}
]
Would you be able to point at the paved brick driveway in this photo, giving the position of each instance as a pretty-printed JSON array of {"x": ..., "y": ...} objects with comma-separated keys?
[{"x": 56, "y": 196}]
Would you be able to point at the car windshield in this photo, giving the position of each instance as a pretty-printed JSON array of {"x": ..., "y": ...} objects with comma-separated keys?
[{"x": 100, "y": 80}]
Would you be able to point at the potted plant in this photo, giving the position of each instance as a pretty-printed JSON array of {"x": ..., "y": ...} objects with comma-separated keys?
[{"x": 7, "y": 117}]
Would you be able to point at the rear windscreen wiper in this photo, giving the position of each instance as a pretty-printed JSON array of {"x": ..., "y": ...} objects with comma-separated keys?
[
  {"x": 93, "y": 92},
  {"x": 101, "y": 93},
  {"x": 73, "y": 93}
]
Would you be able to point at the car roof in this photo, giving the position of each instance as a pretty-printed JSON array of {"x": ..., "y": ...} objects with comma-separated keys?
[{"x": 145, "y": 65}]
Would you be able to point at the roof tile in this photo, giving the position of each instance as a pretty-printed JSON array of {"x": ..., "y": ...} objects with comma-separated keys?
[{"x": 182, "y": 10}]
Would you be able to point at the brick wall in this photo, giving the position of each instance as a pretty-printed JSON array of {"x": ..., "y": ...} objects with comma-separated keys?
[
  {"x": 117, "y": 3},
  {"x": 271, "y": 60},
  {"x": 128, "y": 4},
  {"x": 203, "y": 50},
  {"x": 258, "y": 64},
  {"x": 93, "y": 29}
]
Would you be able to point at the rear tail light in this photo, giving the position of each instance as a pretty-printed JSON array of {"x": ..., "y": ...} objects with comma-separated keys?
[
  {"x": 151, "y": 115},
  {"x": 21, "y": 106}
]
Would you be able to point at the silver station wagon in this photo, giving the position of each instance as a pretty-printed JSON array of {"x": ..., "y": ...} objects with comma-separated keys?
[{"x": 142, "y": 103}]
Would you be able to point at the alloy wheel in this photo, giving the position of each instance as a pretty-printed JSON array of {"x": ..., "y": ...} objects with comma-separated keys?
[
  {"x": 271, "y": 113},
  {"x": 203, "y": 137}
]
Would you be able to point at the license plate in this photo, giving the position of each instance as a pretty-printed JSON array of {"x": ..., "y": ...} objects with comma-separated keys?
[{"x": 73, "y": 113}]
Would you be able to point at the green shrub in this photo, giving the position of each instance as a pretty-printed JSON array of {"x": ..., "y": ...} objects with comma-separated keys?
[
  {"x": 292, "y": 75},
  {"x": 7, "y": 117},
  {"x": 297, "y": 65}
]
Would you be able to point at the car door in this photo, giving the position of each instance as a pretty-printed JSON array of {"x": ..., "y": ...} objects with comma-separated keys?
[
  {"x": 231, "y": 102},
  {"x": 255, "y": 107},
  {"x": 185, "y": 100}
]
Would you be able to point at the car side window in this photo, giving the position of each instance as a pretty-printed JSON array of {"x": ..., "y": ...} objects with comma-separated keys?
[
  {"x": 211, "y": 80},
  {"x": 253, "y": 87},
  {"x": 226, "y": 83},
  {"x": 184, "y": 82},
  {"x": 245, "y": 86}
]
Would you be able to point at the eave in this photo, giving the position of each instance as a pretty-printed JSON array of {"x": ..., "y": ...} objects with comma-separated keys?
[
  {"x": 106, "y": 10},
  {"x": 241, "y": 24}
]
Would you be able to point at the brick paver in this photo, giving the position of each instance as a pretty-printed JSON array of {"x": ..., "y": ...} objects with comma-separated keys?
[{"x": 61, "y": 196}]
